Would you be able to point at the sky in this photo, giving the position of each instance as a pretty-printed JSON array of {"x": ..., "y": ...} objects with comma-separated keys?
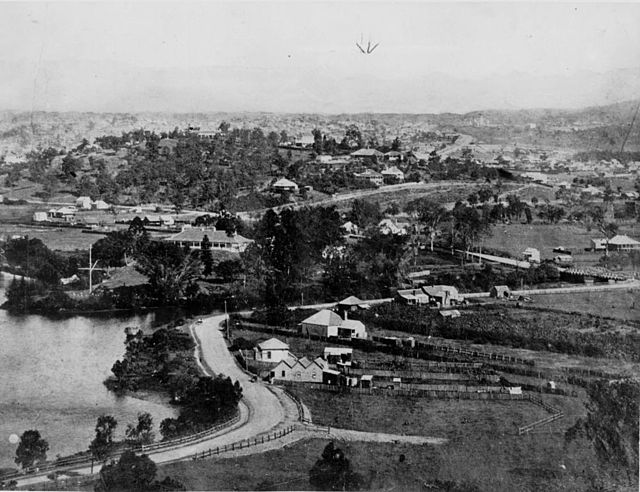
[{"x": 301, "y": 56}]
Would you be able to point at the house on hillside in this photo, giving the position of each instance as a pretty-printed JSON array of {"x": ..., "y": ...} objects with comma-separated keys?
[
  {"x": 622, "y": 243},
  {"x": 351, "y": 303},
  {"x": 322, "y": 324},
  {"x": 40, "y": 217},
  {"x": 369, "y": 176},
  {"x": 272, "y": 351},
  {"x": 350, "y": 228},
  {"x": 599, "y": 244},
  {"x": 284, "y": 185},
  {"x": 443, "y": 295},
  {"x": 338, "y": 355},
  {"x": 301, "y": 370},
  {"x": 388, "y": 226},
  {"x": 327, "y": 324},
  {"x": 412, "y": 297},
  {"x": 393, "y": 156},
  {"x": 167, "y": 146},
  {"x": 352, "y": 328},
  {"x": 500, "y": 292},
  {"x": 393, "y": 175},
  {"x": 367, "y": 154},
  {"x": 68, "y": 214},
  {"x": 101, "y": 205},
  {"x": 220, "y": 240},
  {"x": 532, "y": 255},
  {"x": 84, "y": 202}
]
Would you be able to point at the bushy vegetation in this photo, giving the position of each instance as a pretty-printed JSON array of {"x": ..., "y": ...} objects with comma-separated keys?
[
  {"x": 557, "y": 333},
  {"x": 164, "y": 361},
  {"x": 611, "y": 425},
  {"x": 134, "y": 473}
]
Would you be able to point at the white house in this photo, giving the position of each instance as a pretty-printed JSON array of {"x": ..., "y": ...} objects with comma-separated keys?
[
  {"x": 388, "y": 226},
  {"x": 284, "y": 184},
  {"x": 622, "y": 243},
  {"x": 101, "y": 205},
  {"x": 272, "y": 350},
  {"x": 324, "y": 324},
  {"x": 531, "y": 255},
  {"x": 220, "y": 240},
  {"x": 351, "y": 328},
  {"x": 393, "y": 174},
  {"x": 350, "y": 228},
  {"x": 40, "y": 217},
  {"x": 369, "y": 176},
  {"x": 327, "y": 324},
  {"x": 84, "y": 202}
]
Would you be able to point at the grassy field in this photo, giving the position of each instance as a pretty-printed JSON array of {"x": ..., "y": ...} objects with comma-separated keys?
[
  {"x": 453, "y": 419},
  {"x": 55, "y": 238},
  {"x": 515, "y": 238},
  {"x": 482, "y": 457},
  {"x": 622, "y": 304}
]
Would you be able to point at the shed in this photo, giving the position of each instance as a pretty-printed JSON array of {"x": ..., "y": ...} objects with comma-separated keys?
[
  {"x": 366, "y": 381},
  {"x": 329, "y": 376},
  {"x": 500, "y": 292}
]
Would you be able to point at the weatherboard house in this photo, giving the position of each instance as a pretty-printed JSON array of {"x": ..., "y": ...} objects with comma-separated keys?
[
  {"x": 192, "y": 237},
  {"x": 622, "y": 243},
  {"x": 301, "y": 370},
  {"x": 272, "y": 351},
  {"x": 284, "y": 185},
  {"x": 327, "y": 324}
]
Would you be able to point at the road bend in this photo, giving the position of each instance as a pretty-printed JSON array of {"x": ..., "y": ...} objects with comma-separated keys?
[{"x": 263, "y": 409}]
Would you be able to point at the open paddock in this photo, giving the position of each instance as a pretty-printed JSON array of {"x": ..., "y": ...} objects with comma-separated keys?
[{"x": 619, "y": 303}]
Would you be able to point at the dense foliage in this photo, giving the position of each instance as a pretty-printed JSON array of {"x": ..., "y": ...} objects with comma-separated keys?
[
  {"x": 164, "y": 361},
  {"x": 134, "y": 473},
  {"x": 611, "y": 425},
  {"x": 557, "y": 333},
  {"x": 333, "y": 471},
  {"x": 31, "y": 450}
]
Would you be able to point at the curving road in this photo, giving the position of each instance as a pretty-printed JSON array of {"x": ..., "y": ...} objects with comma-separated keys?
[{"x": 262, "y": 409}]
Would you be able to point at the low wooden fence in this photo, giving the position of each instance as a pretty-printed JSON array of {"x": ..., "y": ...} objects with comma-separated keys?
[
  {"x": 246, "y": 443},
  {"x": 477, "y": 393},
  {"x": 74, "y": 461}
]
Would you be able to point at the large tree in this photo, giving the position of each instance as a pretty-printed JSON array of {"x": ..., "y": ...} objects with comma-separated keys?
[
  {"x": 333, "y": 471},
  {"x": 102, "y": 444},
  {"x": 31, "y": 450}
]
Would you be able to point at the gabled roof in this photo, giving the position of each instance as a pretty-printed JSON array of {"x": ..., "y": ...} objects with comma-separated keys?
[
  {"x": 324, "y": 318},
  {"x": 273, "y": 344}
]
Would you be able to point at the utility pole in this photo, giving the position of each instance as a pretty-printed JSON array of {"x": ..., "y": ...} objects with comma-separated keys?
[{"x": 92, "y": 267}]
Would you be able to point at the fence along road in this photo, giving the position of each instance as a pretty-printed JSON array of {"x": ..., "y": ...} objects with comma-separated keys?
[{"x": 263, "y": 412}]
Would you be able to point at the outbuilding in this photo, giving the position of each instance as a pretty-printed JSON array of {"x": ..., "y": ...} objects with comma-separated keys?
[{"x": 500, "y": 292}]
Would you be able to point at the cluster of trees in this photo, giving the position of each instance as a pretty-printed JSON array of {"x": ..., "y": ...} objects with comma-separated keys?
[
  {"x": 288, "y": 248},
  {"x": 611, "y": 426},
  {"x": 164, "y": 361},
  {"x": 198, "y": 172},
  {"x": 333, "y": 471},
  {"x": 136, "y": 474},
  {"x": 517, "y": 330},
  {"x": 32, "y": 258}
]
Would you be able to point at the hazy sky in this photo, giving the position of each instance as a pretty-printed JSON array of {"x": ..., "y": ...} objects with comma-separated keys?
[{"x": 302, "y": 56}]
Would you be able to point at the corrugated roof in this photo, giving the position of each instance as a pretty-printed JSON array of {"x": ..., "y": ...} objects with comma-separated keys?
[{"x": 196, "y": 234}]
